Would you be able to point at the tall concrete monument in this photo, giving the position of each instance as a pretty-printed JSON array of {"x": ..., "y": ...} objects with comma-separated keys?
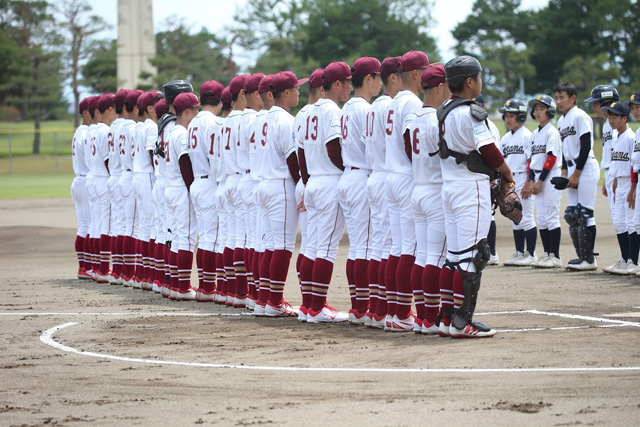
[{"x": 136, "y": 42}]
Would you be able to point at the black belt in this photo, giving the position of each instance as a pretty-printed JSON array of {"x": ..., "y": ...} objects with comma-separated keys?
[
  {"x": 204, "y": 177},
  {"x": 570, "y": 163},
  {"x": 128, "y": 170},
  {"x": 537, "y": 171}
]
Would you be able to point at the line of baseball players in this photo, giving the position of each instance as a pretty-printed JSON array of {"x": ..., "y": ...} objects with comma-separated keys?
[{"x": 156, "y": 178}]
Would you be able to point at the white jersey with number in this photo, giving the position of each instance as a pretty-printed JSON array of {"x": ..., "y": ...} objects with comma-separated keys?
[
  {"x": 126, "y": 153},
  {"x": 246, "y": 128},
  {"x": 354, "y": 122},
  {"x": 608, "y": 134},
  {"x": 161, "y": 163},
  {"x": 516, "y": 149},
  {"x": 147, "y": 134},
  {"x": 231, "y": 142},
  {"x": 571, "y": 127},
  {"x": 544, "y": 141},
  {"x": 200, "y": 141},
  {"x": 272, "y": 151},
  {"x": 218, "y": 151},
  {"x": 213, "y": 148},
  {"x": 100, "y": 149},
  {"x": 115, "y": 167},
  {"x": 322, "y": 125},
  {"x": 376, "y": 131},
  {"x": 77, "y": 151},
  {"x": 87, "y": 145},
  {"x": 176, "y": 147},
  {"x": 299, "y": 125},
  {"x": 464, "y": 134},
  {"x": 257, "y": 134},
  {"x": 402, "y": 111},
  {"x": 424, "y": 140},
  {"x": 622, "y": 149}
]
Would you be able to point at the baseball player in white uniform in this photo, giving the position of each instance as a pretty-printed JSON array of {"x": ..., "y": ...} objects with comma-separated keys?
[
  {"x": 634, "y": 238},
  {"x": 544, "y": 166},
  {"x": 352, "y": 187},
  {"x": 159, "y": 203},
  {"x": 202, "y": 133},
  {"x": 581, "y": 167},
  {"x": 426, "y": 200},
  {"x": 277, "y": 174},
  {"x": 466, "y": 196},
  {"x": 101, "y": 137},
  {"x": 516, "y": 149},
  {"x": 399, "y": 186},
  {"x": 380, "y": 233},
  {"x": 79, "y": 189},
  {"x": 620, "y": 168},
  {"x": 320, "y": 156},
  {"x": 179, "y": 180},
  {"x": 92, "y": 246}
]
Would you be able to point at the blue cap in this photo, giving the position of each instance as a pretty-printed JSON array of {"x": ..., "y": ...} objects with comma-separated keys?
[{"x": 617, "y": 108}]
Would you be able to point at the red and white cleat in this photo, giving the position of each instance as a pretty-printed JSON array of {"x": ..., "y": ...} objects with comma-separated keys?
[
  {"x": 327, "y": 314},
  {"x": 83, "y": 275},
  {"x": 189, "y": 295},
  {"x": 281, "y": 310},
  {"x": 472, "y": 330},
  {"x": 402, "y": 325},
  {"x": 356, "y": 317}
]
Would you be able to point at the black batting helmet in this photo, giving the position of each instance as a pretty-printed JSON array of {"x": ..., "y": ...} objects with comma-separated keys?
[
  {"x": 174, "y": 88},
  {"x": 602, "y": 93},
  {"x": 515, "y": 106},
  {"x": 460, "y": 68},
  {"x": 545, "y": 100}
]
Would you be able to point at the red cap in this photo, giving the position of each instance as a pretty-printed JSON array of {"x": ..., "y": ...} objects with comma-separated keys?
[
  {"x": 161, "y": 108},
  {"x": 92, "y": 103},
  {"x": 315, "y": 79},
  {"x": 286, "y": 80},
  {"x": 83, "y": 106},
  {"x": 120, "y": 97},
  {"x": 226, "y": 96},
  {"x": 336, "y": 71},
  {"x": 252, "y": 82},
  {"x": 237, "y": 84},
  {"x": 265, "y": 83},
  {"x": 211, "y": 90},
  {"x": 132, "y": 97},
  {"x": 365, "y": 65},
  {"x": 390, "y": 65},
  {"x": 147, "y": 99},
  {"x": 184, "y": 101},
  {"x": 433, "y": 76},
  {"x": 105, "y": 102},
  {"x": 413, "y": 60}
]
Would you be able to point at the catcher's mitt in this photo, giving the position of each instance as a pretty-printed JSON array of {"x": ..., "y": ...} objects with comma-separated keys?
[{"x": 509, "y": 202}]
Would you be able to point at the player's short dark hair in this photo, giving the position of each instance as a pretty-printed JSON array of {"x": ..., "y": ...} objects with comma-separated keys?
[
  {"x": 277, "y": 95},
  {"x": 358, "y": 81},
  {"x": 328, "y": 86},
  {"x": 141, "y": 112},
  {"x": 212, "y": 101},
  {"x": 130, "y": 108},
  {"x": 119, "y": 108},
  {"x": 226, "y": 107},
  {"x": 567, "y": 87},
  {"x": 385, "y": 79},
  {"x": 314, "y": 90},
  {"x": 234, "y": 98},
  {"x": 460, "y": 87},
  {"x": 92, "y": 112}
]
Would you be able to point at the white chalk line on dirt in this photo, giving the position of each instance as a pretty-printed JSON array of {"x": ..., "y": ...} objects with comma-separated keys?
[{"x": 47, "y": 338}]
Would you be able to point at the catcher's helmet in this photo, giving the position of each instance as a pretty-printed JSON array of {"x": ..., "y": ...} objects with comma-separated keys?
[
  {"x": 545, "y": 100},
  {"x": 602, "y": 93},
  {"x": 174, "y": 88},
  {"x": 460, "y": 68},
  {"x": 515, "y": 106}
]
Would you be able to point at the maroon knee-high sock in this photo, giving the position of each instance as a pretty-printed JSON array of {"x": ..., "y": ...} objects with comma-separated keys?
[
  {"x": 306, "y": 281},
  {"x": 115, "y": 258},
  {"x": 446, "y": 290},
  {"x": 321, "y": 278},
  {"x": 372, "y": 274},
  {"x": 199, "y": 265},
  {"x": 381, "y": 308},
  {"x": 120, "y": 250},
  {"x": 431, "y": 291},
  {"x": 230, "y": 271},
  {"x": 173, "y": 267},
  {"x": 153, "y": 265},
  {"x": 251, "y": 283},
  {"x": 403, "y": 285},
  {"x": 264, "y": 292},
  {"x": 208, "y": 272},
  {"x": 159, "y": 254},
  {"x": 222, "y": 274},
  {"x": 458, "y": 289},
  {"x": 88, "y": 260},
  {"x": 390, "y": 284},
  {"x": 96, "y": 254},
  {"x": 278, "y": 269},
  {"x": 361, "y": 280},
  {"x": 298, "y": 263},
  {"x": 184, "y": 264},
  {"x": 105, "y": 253},
  {"x": 129, "y": 254},
  {"x": 79, "y": 245},
  {"x": 351, "y": 280},
  {"x": 416, "y": 286},
  {"x": 255, "y": 268},
  {"x": 241, "y": 272}
]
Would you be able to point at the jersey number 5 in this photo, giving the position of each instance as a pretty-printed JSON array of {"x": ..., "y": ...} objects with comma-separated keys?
[
  {"x": 193, "y": 137},
  {"x": 389, "y": 127}
]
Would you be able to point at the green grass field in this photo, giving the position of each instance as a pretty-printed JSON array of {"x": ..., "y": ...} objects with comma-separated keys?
[
  {"x": 22, "y": 137},
  {"x": 35, "y": 186}
]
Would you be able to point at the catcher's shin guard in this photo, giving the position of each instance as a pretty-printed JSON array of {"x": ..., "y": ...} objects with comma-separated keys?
[
  {"x": 471, "y": 283},
  {"x": 584, "y": 235},
  {"x": 570, "y": 215}
]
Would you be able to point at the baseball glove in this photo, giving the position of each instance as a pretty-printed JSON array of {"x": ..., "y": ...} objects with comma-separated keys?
[
  {"x": 509, "y": 202},
  {"x": 559, "y": 182}
]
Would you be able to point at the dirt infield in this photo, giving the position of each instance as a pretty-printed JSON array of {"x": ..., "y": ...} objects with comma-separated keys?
[{"x": 75, "y": 352}]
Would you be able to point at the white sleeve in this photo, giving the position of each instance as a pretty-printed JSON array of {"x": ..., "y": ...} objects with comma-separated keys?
[{"x": 332, "y": 128}]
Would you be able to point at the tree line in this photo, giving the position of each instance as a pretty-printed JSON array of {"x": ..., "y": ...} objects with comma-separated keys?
[{"x": 48, "y": 47}]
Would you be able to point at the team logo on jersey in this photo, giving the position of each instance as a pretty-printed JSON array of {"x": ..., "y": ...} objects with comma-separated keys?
[
  {"x": 513, "y": 149},
  {"x": 607, "y": 136},
  {"x": 538, "y": 149},
  {"x": 636, "y": 147},
  {"x": 567, "y": 132},
  {"x": 619, "y": 156}
]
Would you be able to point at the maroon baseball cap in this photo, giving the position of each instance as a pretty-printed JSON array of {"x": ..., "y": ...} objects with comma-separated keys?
[
  {"x": 161, "y": 108},
  {"x": 147, "y": 99},
  {"x": 413, "y": 60},
  {"x": 84, "y": 105},
  {"x": 286, "y": 80},
  {"x": 132, "y": 98},
  {"x": 390, "y": 65},
  {"x": 336, "y": 71},
  {"x": 252, "y": 82},
  {"x": 92, "y": 102},
  {"x": 365, "y": 65},
  {"x": 265, "y": 83},
  {"x": 105, "y": 101},
  {"x": 433, "y": 76},
  {"x": 315, "y": 79},
  {"x": 226, "y": 96},
  {"x": 237, "y": 84},
  {"x": 120, "y": 97},
  {"x": 184, "y": 101},
  {"x": 211, "y": 90}
]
